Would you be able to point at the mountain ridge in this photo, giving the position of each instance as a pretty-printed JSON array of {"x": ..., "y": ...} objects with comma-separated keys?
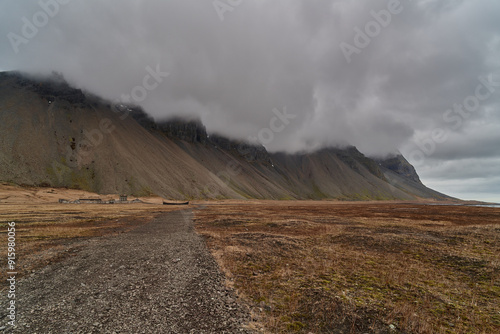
[{"x": 55, "y": 135}]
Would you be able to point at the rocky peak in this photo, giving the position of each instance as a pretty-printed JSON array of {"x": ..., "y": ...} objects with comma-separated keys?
[
  {"x": 398, "y": 164},
  {"x": 51, "y": 88},
  {"x": 248, "y": 151},
  {"x": 191, "y": 131}
]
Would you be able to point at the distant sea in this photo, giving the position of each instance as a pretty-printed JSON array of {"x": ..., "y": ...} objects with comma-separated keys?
[{"x": 493, "y": 205}]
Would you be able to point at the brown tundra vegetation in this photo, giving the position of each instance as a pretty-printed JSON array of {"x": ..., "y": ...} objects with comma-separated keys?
[
  {"x": 330, "y": 267},
  {"x": 306, "y": 266}
]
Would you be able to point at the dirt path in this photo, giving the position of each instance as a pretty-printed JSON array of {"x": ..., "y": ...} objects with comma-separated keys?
[{"x": 158, "y": 278}]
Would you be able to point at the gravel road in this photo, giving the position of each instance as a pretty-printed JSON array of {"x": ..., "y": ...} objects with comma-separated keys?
[{"x": 157, "y": 278}]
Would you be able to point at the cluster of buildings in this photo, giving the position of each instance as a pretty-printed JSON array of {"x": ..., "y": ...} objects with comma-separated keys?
[{"x": 122, "y": 200}]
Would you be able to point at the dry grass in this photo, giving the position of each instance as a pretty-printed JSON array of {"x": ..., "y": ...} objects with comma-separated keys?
[
  {"x": 358, "y": 268},
  {"x": 47, "y": 232},
  {"x": 310, "y": 267}
]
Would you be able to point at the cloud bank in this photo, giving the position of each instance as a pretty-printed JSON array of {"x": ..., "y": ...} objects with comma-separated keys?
[{"x": 380, "y": 75}]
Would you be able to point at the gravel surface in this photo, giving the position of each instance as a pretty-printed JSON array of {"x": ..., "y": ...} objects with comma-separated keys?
[{"x": 157, "y": 278}]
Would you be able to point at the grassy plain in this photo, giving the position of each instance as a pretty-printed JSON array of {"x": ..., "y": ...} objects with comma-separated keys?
[
  {"x": 330, "y": 267},
  {"x": 47, "y": 231},
  {"x": 305, "y": 266}
]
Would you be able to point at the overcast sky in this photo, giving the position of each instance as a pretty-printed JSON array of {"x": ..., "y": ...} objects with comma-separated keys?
[{"x": 381, "y": 75}]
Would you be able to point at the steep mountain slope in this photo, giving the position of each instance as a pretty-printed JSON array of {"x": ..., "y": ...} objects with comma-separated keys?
[
  {"x": 402, "y": 175},
  {"x": 54, "y": 135},
  {"x": 63, "y": 143}
]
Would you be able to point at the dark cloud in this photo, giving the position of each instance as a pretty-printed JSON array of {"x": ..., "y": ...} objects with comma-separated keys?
[{"x": 267, "y": 55}]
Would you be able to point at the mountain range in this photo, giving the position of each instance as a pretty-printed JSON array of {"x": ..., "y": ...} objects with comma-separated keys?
[{"x": 54, "y": 135}]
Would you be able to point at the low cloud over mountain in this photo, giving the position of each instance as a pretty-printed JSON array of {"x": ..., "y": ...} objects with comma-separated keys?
[{"x": 383, "y": 75}]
